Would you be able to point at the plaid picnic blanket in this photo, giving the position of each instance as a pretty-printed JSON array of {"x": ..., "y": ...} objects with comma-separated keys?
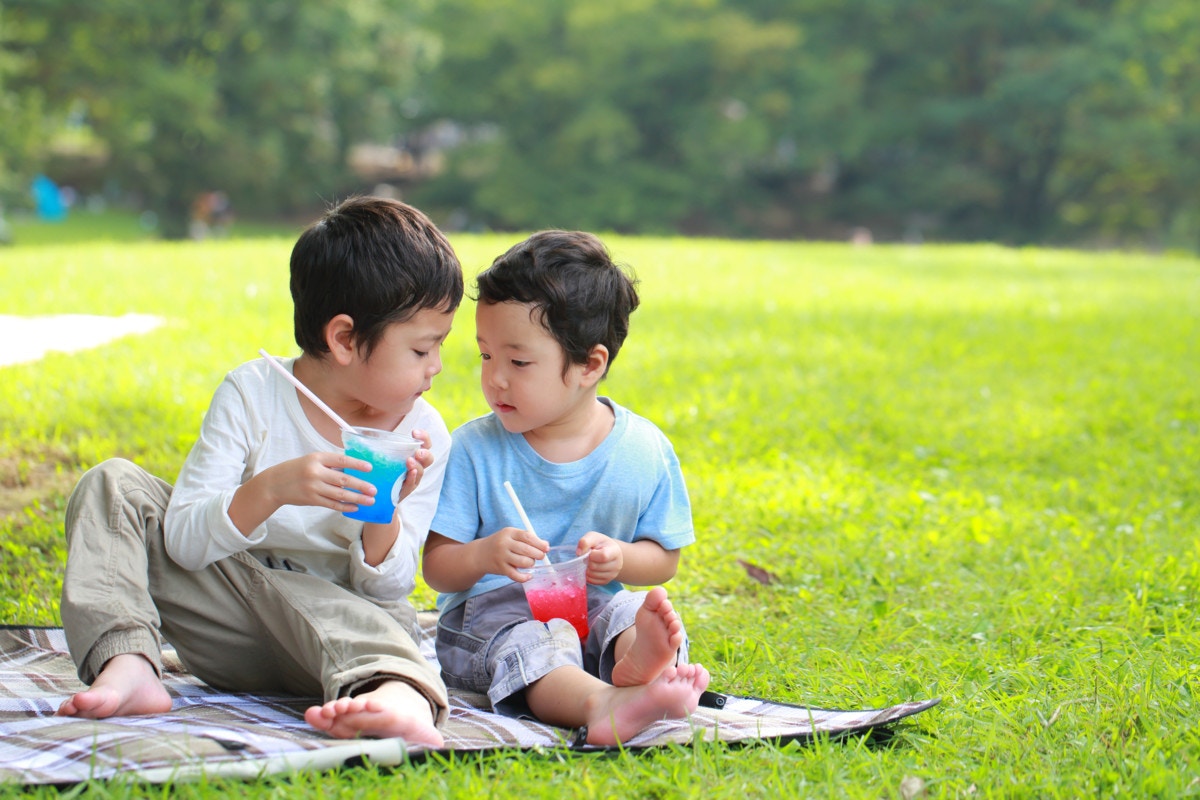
[{"x": 214, "y": 733}]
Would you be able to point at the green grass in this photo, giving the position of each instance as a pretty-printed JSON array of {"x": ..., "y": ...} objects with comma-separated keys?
[
  {"x": 119, "y": 225},
  {"x": 974, "y": 471}
]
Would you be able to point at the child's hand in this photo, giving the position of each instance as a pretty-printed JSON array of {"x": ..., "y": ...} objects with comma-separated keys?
[
  {"x": 317, "y": 479},
  {"x": 509, "y": 550},
  {"x": 417, "y": 463},
  {"x": 605, "y": 557}
]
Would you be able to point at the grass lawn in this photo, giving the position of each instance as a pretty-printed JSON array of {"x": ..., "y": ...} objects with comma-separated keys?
[
  {"x": 119, "y": 225},
  {"x": 973, "y": 470}
]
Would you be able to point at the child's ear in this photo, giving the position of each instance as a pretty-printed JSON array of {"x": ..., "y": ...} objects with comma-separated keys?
[
  {"x": 340, "y": 338},
  {"x": 596, "y": 366}
]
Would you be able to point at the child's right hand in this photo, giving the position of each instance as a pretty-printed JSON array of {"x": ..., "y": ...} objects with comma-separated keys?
[
  {"x": 317, "y": 479},
  {"x": 509, "y": 550}
]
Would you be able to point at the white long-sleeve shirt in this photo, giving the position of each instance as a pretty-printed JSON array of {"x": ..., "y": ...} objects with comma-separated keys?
[{"x": 256, "y": 421}]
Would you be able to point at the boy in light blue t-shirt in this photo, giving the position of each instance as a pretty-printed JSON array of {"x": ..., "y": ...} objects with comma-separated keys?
[{"x": 552, "y": 313}]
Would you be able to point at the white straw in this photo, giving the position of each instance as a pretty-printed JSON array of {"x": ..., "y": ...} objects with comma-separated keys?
[
  {"x": 520, "y": 508},
  {"x": 346, "y": 426},
  {"x": 525, "y": 519}
]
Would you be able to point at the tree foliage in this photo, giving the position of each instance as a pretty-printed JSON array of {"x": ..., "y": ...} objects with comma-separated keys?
[
  {"x": 630, "y": 115},
  {"x": 260, "y": 98},
  {"x": 1014, "y": 120},
  {"x": 1020, "y": 120},
  {"x": 20, "y": 110}
]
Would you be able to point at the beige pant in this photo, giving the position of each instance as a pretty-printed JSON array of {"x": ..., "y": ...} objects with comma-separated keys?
[{"x": 235, "y": 624}]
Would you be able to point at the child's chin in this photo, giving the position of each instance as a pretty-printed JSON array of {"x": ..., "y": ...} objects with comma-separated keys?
[{"x": 511, "y": 424}]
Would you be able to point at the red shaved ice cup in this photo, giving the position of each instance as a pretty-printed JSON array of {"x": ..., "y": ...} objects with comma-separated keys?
[{"x": 557, "y": 588}]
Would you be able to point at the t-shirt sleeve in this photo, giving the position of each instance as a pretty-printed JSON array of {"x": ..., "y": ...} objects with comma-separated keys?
[{"x": 668, "y": 516}]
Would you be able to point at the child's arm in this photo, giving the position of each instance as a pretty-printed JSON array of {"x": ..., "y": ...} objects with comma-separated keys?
[
  {"x": 315, "y": 479},
  {"x": 641, "y": 563},
  {"x": 220, "y": 503},
  {"x": 220, "y": 500},
  {"x": 451, "y": 566}
]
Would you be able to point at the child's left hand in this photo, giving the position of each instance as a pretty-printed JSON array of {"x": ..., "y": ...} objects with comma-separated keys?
[
  {"x": 605, "y": 557},
  {"x": 417, "y": 463}
]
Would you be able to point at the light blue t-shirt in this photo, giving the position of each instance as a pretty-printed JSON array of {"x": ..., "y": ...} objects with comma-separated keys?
[{"x": 629, "y": 488}]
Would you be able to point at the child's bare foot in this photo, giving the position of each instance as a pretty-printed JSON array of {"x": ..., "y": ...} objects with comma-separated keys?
[
  {"x": 392, "y": 709},
  {"x": 126, "y": 686},
  {"x": 623, "y": 712},
  {"x": 658, "y": 634}
]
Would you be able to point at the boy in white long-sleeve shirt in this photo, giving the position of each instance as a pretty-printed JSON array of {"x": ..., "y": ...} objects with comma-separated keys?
[{"x": 248, "y": 565}]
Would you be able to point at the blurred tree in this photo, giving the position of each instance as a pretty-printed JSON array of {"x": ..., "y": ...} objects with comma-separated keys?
[
  {"x": 22, "y": 112},
  {"x": 1005, "y": 118},
  {"x": 630, "y": 115},
  {"x": 1020, "y": 120},
  {"x": 259, "y": 99},
  {"x": 1132, "y": 171},
  {"x": 1016, "y": 120}
]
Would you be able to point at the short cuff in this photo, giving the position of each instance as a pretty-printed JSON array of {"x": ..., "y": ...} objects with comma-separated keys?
[
  {"x": 617, "y": 617},
  {"x": 132, "y": 641},
  {"x": 509, "y": 702},
  {"x": 533, "y": 650}
]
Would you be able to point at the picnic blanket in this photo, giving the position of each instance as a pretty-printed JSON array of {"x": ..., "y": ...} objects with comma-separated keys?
[{"x": 218, "y": 734}]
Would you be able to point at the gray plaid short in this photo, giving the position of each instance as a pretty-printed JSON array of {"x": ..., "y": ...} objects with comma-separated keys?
[{"x": 490, "y": 644}]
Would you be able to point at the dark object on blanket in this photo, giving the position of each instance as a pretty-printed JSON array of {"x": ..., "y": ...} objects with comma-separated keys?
[{"x": 214, "y": 733}]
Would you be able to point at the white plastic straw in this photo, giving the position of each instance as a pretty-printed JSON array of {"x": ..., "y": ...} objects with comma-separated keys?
[
  {"x": 524, "y": 517},
  {"x": 520, "y": 508},
  {"x": 346, "y": 426}
]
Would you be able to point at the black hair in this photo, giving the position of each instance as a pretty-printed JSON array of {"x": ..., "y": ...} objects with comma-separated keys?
[
  {"x": 377, "y": 260},
  {"x": 576, "y": 291}
]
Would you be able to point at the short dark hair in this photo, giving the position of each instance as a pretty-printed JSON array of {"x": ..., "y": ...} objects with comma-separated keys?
[
  {"x": 578, "y": 294},
  {"x": 377, "y": 260}
]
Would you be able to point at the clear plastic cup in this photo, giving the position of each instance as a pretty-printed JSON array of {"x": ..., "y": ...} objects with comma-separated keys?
[
  {"x": 388, "y": 453},
  {"x": 558, "y": 589}
]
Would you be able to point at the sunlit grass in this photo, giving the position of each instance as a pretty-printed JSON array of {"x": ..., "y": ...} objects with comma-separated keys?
[
  {"x": 83, "y": 224},
  {"x": 972, "y": 469}
]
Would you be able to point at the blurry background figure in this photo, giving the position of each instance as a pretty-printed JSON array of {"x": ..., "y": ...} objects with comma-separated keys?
[
  {"x": 212, "y": 214},
  {"x": 48, "y": 200}
]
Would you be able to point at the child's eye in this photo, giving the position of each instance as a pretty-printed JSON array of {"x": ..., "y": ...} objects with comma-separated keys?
[
  {"x": 516, "y": 363},
  {"x": 485, "y": 356},
  {"x": 421, "y": 353}
]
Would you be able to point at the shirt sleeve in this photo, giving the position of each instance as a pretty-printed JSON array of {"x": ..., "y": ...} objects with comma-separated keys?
[
  {"x": 668, "y": 517},
  {"x": 197, "y": 527}
]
